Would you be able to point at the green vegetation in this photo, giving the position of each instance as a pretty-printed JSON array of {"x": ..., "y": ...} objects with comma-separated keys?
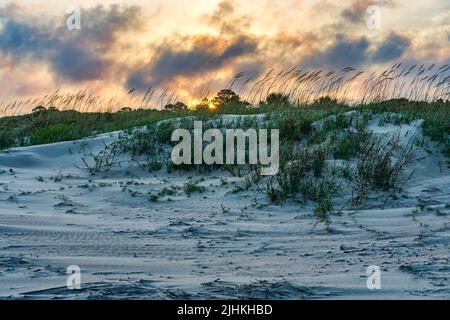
[
  {"x": 193, "y": 187},
  {"x": 379, "y": 167},
  {"x": 325, "y": 147},
  {"x": 435, "y": 116},
  {"x": 294, "y": 120},
  {"x": 48, "y": 126}
]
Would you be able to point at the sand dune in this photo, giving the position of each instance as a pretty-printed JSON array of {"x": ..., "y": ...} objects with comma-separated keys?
[{"x": 211, "y": 245}]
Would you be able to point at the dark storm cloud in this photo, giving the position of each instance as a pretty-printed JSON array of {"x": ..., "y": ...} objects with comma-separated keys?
[
  {"x": 392, "y": 48},
  {"x": 22, "y": 39},
  {"x": 77, "y": 63},
  {"x": 206, "y": 54},
  {"x": 346, "y": 52},
  {"x": 101, "y": 25},
  {"x": 74, "y": 55},
  {"x": 343, "y": 53}
]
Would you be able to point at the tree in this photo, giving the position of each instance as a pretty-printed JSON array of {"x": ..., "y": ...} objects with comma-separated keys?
[
  {"x": 277, "y": 99},
  {"x": 204, "y": 105},
  {"x": 224, "y": 97},
  {"x": 177, "y": 106},
  {"x": 326, "y": 101},
  {"x": 38, "y": 109}
]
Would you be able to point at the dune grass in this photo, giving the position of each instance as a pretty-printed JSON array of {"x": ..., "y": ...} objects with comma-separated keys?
[
  {"x": 49, "y": 126},
  {"x": 315, "y": 111},
  {"x": 313, "y": 138},
  {"x": 414, "y": 91}
]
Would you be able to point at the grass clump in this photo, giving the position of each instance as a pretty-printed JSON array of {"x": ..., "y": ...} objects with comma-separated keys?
[
  {"x": 153, "y": 198},
  {"x": 193, "y": 187},
  {"x": 380, "y": 166},
  {"x": 322, "y": 194},
  {"x": 168, "y": 191},
  {"x": 302, "y": 178}
]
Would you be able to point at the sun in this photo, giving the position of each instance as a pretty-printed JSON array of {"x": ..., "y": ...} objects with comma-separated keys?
[{"x": 212, "y": 106}]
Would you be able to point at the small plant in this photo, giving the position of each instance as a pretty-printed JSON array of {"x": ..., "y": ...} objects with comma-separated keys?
[
  {"x": 237, "y": 189},
  {"x": 252, "y": 178},
  {"x": 223, "y": 182},
  {"x": 171, "y": 191},
  {"x": 323, "y": 193},
  {"x": 193, "y": 187},
  {"x": 272, "y": 191},
  {"x": 224, "y": 209},
  {"x": 102, "y": 161},
  {"x": 153, "y": 164}
]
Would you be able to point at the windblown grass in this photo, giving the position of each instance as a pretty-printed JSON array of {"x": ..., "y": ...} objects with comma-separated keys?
[{"x": 426, "y": 83}]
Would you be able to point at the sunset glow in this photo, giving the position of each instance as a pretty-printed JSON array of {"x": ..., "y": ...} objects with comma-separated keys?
[{"x": 192, "y": 49}]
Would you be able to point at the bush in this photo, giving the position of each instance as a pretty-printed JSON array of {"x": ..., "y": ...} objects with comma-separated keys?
[
  {"x": 293, "y": 128},
  {"x": 348, "y": 144},
  {"x": 277, "y": 100},
  {"x": 56, "y": 133}
]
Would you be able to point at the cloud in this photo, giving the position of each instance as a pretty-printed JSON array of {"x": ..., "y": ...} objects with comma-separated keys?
[
  {"x": 75, "y": 55},
  {"x": 392, "y": 48},
  {"x": 76, "y": 63},
  {"x": 227, "y": 21},
  {"x": 23, "y": 39},
  {"x": 345, "y": 52},
  {"x": 250, "y": 69},
  {"x": 206, "y": 54},
  {"x": 188, "y": 47},
  {"x": 356, "y": 12},
  {"x": 342, "y": 53}
]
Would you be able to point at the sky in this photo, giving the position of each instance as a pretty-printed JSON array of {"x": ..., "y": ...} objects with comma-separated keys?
[{"x": 194, "y": 47}]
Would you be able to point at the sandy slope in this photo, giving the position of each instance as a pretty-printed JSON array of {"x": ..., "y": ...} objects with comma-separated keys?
[{"x": 212, "y": 245}]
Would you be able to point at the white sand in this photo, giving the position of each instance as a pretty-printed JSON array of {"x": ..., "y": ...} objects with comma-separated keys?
[{"x": 128, "y": 247}]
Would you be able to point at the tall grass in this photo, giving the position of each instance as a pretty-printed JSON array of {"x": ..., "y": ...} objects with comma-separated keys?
[{"x": 301, "y": 87}]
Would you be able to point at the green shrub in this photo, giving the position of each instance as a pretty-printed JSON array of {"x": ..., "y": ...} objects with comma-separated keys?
[{"x": 193, "y": 187}]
